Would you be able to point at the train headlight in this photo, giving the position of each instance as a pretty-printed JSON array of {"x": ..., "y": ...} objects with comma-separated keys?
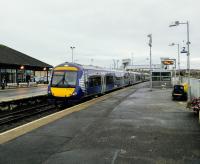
[{"x": 74, "y": 94}]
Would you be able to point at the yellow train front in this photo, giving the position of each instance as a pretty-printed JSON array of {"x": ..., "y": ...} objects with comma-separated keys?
[{"x": 64, "y": 84}]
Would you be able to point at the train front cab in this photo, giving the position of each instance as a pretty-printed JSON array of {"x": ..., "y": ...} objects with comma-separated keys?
[
  {"x": 180, "y": 92},
  {"x": 64, "y": 82}
]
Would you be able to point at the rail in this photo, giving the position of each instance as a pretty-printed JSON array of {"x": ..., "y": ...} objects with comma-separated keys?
[{"x": 17, "y": 115}]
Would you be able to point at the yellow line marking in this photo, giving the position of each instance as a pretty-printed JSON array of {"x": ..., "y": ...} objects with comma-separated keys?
[{"x": 18, "y": 131}]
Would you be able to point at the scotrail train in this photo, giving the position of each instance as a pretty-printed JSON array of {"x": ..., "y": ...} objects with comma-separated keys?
[{"x": 71, "y": 81}]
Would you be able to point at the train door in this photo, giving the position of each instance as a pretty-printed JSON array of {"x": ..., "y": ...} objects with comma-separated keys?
[
  {"x": 109, "y": 82},
  {"x": 131, "y": 78},
  {"x": 94, "y": 85},
  {"x": 119, "y": 80},
  {"x": 103, "y": 82},
  {"x": 126, "y": 79},
  {"x": 135, "y": 78}
]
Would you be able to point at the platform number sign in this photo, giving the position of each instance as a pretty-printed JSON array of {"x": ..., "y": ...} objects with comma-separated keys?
[{"x": 184, "y": 50}]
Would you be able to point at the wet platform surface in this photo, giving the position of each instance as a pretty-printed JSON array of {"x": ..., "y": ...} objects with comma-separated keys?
[
  {"x": 136, "y": 126},
  {"x": 20, "y": 93}
]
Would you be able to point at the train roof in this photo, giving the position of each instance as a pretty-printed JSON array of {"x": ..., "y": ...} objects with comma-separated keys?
[
  {"x": 87, "y": 67},
  {"x": 93, "y": 69}
]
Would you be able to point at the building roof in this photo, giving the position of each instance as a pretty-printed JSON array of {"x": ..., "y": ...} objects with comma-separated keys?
[{"x": 9, "y": 56}]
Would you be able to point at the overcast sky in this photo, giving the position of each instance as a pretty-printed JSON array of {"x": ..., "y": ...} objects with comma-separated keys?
[{"x": 101, "y": 30}]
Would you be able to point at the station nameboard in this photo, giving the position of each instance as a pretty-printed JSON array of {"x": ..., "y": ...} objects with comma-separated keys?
[{"x": 168, "y": 62}]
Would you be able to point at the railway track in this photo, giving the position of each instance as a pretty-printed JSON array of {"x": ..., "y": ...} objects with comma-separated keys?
[{"x": 25, "y": 113}]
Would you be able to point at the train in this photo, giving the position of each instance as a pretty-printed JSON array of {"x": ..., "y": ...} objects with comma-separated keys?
[{"x": 72, "y": 81}]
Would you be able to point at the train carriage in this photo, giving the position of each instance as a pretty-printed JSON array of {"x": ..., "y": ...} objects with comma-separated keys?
[{"x": 75, "y": 81}]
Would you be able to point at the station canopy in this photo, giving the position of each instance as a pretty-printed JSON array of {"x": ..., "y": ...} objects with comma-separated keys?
[{"x": 10, "y": 58}]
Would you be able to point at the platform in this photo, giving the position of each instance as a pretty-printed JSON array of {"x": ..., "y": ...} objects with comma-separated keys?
[
  {"x": 21, "y": 93},
  {"x": 134, "y": 125}
]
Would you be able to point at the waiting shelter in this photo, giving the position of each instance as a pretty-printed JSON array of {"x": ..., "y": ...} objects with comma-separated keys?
[
  {"x": 161, "y": 78},
  {"x": 16, "y": 67}
]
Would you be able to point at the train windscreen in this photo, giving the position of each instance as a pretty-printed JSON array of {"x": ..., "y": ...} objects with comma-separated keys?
[{"x": 64, "y": 79}]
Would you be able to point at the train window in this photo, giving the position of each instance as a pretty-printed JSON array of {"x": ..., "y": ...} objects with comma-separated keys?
[
  {"x": 118, "y": 78},
  {"x": 94, "y": 81},
  {"x": 138, "y": 77},
  {"x": 109, "y": 80},
  {"x": 70, "y": 78},
  {"x": 126, "y": 76},
  {"x": 57, "y": 77},
  {"x": 64, "y": 79}
]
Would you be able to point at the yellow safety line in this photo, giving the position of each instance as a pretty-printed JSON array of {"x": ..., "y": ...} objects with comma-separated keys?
[{"x": 18, "y": 131}]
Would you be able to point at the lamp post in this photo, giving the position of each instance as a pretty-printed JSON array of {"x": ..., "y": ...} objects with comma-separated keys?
[
  {"x": 117, "y": 63},
  {"x": 174, "y": 69},
  {"x": 173, "y": 44},
  {"x": 113, "y": 64},
  {"x": 150, "y": 68},
  {"x": 132, "y": 59},
  {"x": 72, "y": 53},
  {"x": 176, "y": 23},
  {"x": 91, "y": 61}
]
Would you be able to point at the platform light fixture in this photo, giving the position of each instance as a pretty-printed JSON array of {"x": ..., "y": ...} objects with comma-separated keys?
[
  {"x": 117, "y": 64},
  {"x": 21, "y": 67},
  {"x": 176, "y": 23}
]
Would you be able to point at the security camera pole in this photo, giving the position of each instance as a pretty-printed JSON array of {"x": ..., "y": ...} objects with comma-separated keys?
[{"x": 150, "y": 68}]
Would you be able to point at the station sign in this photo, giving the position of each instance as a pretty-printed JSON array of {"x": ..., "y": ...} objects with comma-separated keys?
[
  {"x": 184, "y": 50},
  {"x": 168, "y": 62}
]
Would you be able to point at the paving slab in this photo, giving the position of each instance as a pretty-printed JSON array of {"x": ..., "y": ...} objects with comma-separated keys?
[{"x": 133, "y": 126}]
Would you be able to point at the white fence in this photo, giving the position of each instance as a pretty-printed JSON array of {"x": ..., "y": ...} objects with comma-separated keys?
[{"x": 195, "y": 86}]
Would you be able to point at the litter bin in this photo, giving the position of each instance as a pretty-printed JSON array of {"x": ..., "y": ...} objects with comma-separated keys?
[{"x": 180, "y": 92}]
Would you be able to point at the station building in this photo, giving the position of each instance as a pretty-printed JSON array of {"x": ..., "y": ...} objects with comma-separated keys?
[{"x": 16, "y": 67}]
